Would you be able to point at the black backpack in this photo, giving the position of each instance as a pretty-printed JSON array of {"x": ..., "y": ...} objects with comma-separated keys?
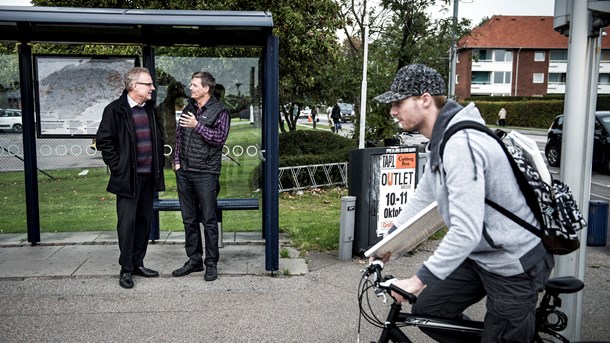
[{"x": 552, "y": 205}]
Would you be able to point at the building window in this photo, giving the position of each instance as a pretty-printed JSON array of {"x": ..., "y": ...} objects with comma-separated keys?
[
  {"x": 557, "y": 78},
  {"x": 539, "y": 56},
  {"x": 605, "y": 56},
  {"x": 503, "y": 55},
  {"x": 502, "y": 77},
  {"x": 538, "y": 78},
  {"x": 604, "y": 79},
  {"x": 457, "y": 79},
  {"x": 481, "y": 55},
  {"x": 481, "y": 77},
  {"x": 558, "y": 55}
]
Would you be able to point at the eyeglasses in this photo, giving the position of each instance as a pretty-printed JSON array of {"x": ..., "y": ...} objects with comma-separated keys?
[{"x": 149, "y": 84}]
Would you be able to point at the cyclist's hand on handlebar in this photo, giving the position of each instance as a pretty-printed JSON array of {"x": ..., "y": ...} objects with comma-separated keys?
[
  {"x": 383, "y": 258},
  {"x": 411, "y": 285}
]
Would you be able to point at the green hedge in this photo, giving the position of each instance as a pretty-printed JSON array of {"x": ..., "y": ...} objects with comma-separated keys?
[
  {"x": 536, "y": 114},
  {"x": 532, "y": 112}
]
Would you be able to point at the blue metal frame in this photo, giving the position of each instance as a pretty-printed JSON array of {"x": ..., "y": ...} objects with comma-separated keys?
[{"x": 271, "y": 164}]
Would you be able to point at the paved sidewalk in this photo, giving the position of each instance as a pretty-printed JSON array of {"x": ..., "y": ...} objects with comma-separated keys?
[
  {"x": 57, "y": 292},
  {"x": 95, "y": 253}
]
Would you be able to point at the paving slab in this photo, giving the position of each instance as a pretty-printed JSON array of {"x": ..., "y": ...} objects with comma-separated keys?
[
  {"x": 69, "y": 237},
  {"x": 13, "y": 239},
  {"x": 31, "y": 252}
]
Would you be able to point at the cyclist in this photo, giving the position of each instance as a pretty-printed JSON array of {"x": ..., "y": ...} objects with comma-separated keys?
[{"x": 483, "y": 253}]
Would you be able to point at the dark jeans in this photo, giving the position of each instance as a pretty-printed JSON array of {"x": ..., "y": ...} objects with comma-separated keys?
[
  {"x": 133, "y": 223},
  {"x": 197, "y": 193},
  {"x": 511, "y": 301},
  {"x": 337, "y": 123}
]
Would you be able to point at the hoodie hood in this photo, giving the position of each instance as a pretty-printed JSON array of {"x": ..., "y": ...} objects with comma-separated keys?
[
  {"x": 447, "y": 113},
  {"x": 450, "y": 114}
]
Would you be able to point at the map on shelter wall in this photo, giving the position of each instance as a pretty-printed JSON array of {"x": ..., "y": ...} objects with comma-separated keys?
[{"x": 72, "y": 91}]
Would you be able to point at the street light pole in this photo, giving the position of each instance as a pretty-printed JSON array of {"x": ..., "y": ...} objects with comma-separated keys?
[
  {"x": 453, "y": 52},
  {"x": 363, "y": 92}
]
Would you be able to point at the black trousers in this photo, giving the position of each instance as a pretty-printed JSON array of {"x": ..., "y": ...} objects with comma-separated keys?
[
  {"x": 197, "y": 193},
  {"x": 511, "y": 301},
  {"x": 134, "y": 216}
]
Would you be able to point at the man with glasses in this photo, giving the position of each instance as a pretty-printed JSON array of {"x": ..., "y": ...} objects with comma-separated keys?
[
  {"x": 131, "y": 142},
  {"x": 484, "y": 253}
]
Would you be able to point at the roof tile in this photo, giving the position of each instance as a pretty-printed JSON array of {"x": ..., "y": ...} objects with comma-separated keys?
[{"x": 527, "y": 32}]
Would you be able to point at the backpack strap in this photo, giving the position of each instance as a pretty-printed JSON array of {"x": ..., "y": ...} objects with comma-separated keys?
[{"x": 530, "y": 196}]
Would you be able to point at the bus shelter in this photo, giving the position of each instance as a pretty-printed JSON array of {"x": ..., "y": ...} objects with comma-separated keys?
[{"x": 248, "y": 33}]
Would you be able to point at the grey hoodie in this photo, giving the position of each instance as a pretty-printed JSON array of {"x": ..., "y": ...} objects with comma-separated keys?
[{"x": 473, "y": 167}]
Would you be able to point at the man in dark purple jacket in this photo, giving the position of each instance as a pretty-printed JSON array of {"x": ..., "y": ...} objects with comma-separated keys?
[
  {"x": 200, "y": 137},
  {"x": 131, "y": 142}
]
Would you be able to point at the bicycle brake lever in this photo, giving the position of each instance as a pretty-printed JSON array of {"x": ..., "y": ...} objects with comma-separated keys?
[{"x": 380, "y": 293}]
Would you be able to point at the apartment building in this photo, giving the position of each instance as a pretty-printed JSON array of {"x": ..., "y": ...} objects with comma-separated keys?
[{"x": 518, "y": 56}]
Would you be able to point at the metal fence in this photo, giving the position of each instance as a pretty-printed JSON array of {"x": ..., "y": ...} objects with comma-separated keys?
[{"x": 312, "y": 176}]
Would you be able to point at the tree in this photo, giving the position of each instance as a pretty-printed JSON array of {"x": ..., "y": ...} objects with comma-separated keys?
[
  {"x": 306, "y": 31},
  {"x": 401, "y": 33}
]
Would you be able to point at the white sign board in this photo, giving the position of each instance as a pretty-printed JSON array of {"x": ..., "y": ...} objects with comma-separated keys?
[{"x": 396, "y": 184}]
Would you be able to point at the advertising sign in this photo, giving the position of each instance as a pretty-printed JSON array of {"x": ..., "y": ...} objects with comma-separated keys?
[{"x": 396, "y": 184}]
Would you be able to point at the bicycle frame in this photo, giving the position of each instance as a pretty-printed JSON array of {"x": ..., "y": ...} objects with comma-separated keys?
[{"x": 393, "y": 333}]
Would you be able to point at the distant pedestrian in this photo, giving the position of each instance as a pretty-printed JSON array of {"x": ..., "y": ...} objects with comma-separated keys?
[
  {"x": 502, "y": 117},
  {"x": 329, "y": 111},
  {"x": 336, "y": 117},
  {"x": 314, "y": 115}
]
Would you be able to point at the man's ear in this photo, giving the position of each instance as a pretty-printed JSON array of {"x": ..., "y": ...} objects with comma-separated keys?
[{"x": 427, "y": 100}]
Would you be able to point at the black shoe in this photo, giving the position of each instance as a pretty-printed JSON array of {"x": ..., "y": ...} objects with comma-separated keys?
[
  {"x": 145, "y": 272},
  {"x": 211, "y": 273},
  {"x": 125, "y": 280},
  {"x": 186, "y": 269}
]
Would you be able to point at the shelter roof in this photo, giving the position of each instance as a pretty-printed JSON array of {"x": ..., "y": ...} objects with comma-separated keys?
[{"x": 133, "y": 26}]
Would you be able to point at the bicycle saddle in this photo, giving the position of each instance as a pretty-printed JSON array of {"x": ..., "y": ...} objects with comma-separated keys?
[{"x": 564, "y": 284}]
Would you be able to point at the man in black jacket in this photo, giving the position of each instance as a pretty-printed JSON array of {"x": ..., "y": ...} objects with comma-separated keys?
[
  {"x": 200, "y": 137},
  {"x": 131, "y": 143}
]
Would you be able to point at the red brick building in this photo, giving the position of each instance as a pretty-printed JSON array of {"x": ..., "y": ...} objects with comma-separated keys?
[{"x": 518, "y": 56}]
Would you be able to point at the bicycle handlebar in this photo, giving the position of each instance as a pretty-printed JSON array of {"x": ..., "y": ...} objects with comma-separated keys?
[{"x": 386, "y": 283}]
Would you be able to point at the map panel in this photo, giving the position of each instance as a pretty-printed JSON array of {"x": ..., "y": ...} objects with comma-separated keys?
[{"x": 73, "y": 91}]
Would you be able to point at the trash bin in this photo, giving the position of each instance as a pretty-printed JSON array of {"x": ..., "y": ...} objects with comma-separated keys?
[{"x": 597, "y": 229}]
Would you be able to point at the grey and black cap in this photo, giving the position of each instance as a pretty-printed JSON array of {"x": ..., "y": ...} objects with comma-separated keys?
[{"x": 414, "y": 79}]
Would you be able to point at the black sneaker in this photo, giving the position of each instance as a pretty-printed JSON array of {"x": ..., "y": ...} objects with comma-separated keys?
[{"x": 211, "y": 273}]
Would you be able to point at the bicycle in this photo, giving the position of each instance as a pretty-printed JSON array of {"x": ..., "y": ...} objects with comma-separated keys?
[{"x": 549, "y": 319}]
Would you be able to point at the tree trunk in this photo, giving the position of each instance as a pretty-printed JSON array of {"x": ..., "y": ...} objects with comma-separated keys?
[{"x": 167, "y": 115}]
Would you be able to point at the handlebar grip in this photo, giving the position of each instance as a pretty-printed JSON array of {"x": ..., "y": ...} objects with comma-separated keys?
[{"x": 411, "y": 298}]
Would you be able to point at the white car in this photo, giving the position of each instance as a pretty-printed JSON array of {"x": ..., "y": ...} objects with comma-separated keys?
[
  {"x": 306, "y": 112},
  {"x": 10, "y": 120}
]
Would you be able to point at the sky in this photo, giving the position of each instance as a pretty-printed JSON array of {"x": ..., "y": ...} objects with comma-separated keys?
[{"x": 475, "y": 10}]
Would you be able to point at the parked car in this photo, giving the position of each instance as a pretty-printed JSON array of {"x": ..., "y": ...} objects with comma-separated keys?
[
  {"x": 347, "y": 112},
  {"x": 601, "y": 141},
  {"x": 10, "y": 120},
  {"x": 305, "y": 112}
]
